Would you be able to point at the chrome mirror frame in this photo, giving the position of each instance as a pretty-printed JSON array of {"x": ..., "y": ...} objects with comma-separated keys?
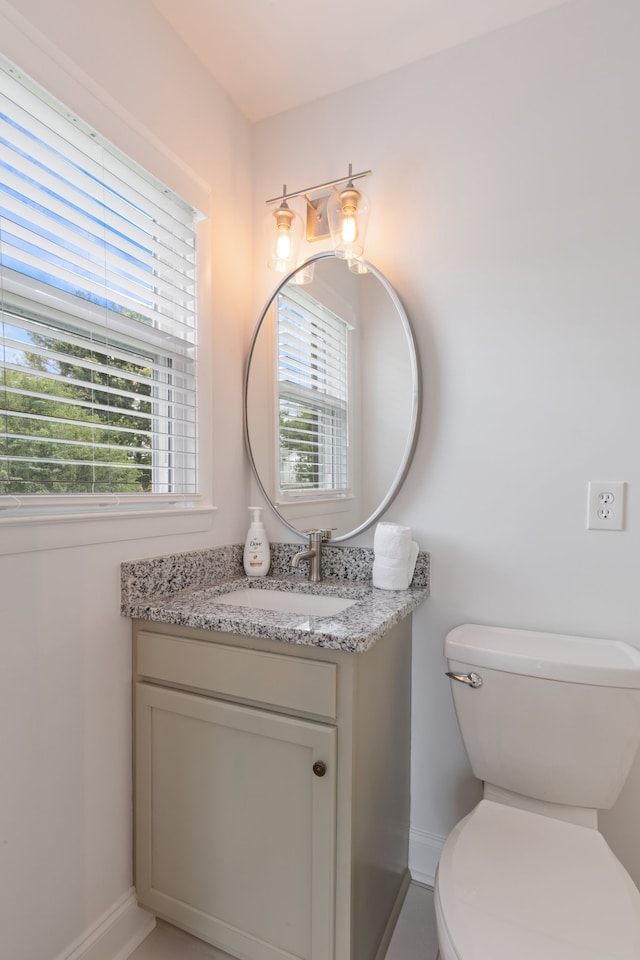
[{"x": 416, "y": 406}]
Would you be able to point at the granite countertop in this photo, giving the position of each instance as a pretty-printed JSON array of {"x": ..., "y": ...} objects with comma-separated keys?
[{"x": 183, "y": 588}]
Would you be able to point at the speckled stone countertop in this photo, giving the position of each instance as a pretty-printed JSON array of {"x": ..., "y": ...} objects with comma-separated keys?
[{"x": 182, "y": 588}]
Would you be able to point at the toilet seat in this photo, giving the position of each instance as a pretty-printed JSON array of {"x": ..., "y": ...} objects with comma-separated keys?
[{"x": 514, "y": 884}]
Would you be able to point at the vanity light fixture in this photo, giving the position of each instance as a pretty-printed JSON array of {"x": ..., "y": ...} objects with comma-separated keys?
[{"x": 336, "y": 208}]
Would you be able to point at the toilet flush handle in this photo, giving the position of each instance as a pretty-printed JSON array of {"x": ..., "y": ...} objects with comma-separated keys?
[{"x": 471, "y": 679}]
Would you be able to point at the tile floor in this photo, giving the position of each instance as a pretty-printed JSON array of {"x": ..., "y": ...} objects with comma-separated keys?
[{"x": 414, "y": 937}]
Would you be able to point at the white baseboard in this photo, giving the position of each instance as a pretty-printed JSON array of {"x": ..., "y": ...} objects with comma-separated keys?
[
  {"x": 115, "y": 935},
  {"x": 122, "y": 928},
  {"x": 424, "y": 854}
]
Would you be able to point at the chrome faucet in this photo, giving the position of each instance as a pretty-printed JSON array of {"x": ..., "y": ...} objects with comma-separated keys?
[{"x": 313, "y": 554}]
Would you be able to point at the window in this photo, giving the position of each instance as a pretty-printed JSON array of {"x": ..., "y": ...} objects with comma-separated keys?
[
  {"x": 313, "y": 398},
  {"x": 98, "y": 316}
]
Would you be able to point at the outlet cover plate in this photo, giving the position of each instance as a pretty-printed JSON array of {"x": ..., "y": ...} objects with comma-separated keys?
[{"x": 605, "y": 507}]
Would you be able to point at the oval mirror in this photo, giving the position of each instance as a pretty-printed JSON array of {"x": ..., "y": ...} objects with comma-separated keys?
[{"x": 331, "y": 397}]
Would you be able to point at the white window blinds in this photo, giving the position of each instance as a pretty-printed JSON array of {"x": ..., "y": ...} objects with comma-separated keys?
[
  {"x": 98, "y": 314},
  {"x": 313, "y": 398}
]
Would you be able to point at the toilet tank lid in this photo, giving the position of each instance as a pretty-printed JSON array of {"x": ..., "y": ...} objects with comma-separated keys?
[{"x": 608, "y": 663}]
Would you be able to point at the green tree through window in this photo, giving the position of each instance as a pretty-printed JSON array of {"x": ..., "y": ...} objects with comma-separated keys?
[{"x": 73, "y": 435}]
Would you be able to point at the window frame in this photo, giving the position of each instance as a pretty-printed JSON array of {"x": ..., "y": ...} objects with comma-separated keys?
[
  {"x": 53, "y": 507},
  {"x": 289, "y": 496}
]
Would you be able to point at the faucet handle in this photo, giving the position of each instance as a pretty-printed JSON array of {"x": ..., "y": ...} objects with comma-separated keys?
[{"x": 320, "y": 534}]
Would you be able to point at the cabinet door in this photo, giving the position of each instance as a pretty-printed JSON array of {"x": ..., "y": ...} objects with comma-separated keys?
[{"x": 235, "y": 833}]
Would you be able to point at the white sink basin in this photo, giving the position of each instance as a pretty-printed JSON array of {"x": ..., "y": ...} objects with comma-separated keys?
[{"x": 284, "y": 601}]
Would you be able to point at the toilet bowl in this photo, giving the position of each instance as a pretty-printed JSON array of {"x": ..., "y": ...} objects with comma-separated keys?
[{"x": 527, "y": 875}]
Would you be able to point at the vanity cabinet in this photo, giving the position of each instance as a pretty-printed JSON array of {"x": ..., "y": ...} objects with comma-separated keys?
[{"x": 272, "y": 790}]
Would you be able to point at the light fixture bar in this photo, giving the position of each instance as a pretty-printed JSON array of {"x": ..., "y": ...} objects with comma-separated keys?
[{"x": 321, "y": 186}]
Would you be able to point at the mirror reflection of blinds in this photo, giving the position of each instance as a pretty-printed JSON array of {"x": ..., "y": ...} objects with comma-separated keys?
[
  {"x": 98, "y": 322},
  {"x": 313, "y": 398}
]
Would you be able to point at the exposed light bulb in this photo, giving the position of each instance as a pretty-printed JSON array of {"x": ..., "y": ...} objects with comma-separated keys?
[
  {"x": 349, "y": 230},
  {"x": 283, "y": 242},
  {"x": 349, "y": 199}
]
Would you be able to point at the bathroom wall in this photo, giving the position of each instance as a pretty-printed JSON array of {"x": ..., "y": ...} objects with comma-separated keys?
[
  {"x": 65, "y": 800},
  {"x": 505, "y": 210}
]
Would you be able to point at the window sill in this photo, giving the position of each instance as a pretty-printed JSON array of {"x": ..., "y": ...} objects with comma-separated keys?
[
  {"x": 300, "y": 507},
  {"x": 29, "y": 534}
]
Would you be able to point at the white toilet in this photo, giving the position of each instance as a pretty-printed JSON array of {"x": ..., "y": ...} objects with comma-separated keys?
[{"x": 551, "y": 725}]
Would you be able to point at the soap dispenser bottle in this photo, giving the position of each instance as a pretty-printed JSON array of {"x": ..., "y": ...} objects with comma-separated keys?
[{"x": 257, "y": 554}]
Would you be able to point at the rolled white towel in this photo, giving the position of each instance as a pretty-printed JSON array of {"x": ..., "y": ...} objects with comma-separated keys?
[
  {"x": 392, "y": 542},
  {"x": 395, "y": 574},
  {"x": 388, "y": 576}
]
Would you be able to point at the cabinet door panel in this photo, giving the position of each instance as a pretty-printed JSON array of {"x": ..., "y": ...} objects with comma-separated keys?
[{"x": 235, "y": 833}]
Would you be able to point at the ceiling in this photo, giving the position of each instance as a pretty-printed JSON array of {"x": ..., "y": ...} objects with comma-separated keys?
[{"x": 272, "y": 55}]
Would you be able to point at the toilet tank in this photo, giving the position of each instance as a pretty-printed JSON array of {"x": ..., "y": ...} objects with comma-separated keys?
[{"x": 556, "y": 718}]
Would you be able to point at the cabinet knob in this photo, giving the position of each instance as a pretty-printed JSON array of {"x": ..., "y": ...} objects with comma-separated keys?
[{"x": 319, "y": 768}]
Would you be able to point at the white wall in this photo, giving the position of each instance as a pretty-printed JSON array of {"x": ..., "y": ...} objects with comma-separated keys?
[
  {"x": 505, "y": 210},
  {"x": 65, "y": 800},
  {"x": 387, "y": 392}
]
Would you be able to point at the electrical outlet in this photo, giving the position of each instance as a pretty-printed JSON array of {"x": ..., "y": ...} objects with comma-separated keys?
[{"x": 605, "y": 505}]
